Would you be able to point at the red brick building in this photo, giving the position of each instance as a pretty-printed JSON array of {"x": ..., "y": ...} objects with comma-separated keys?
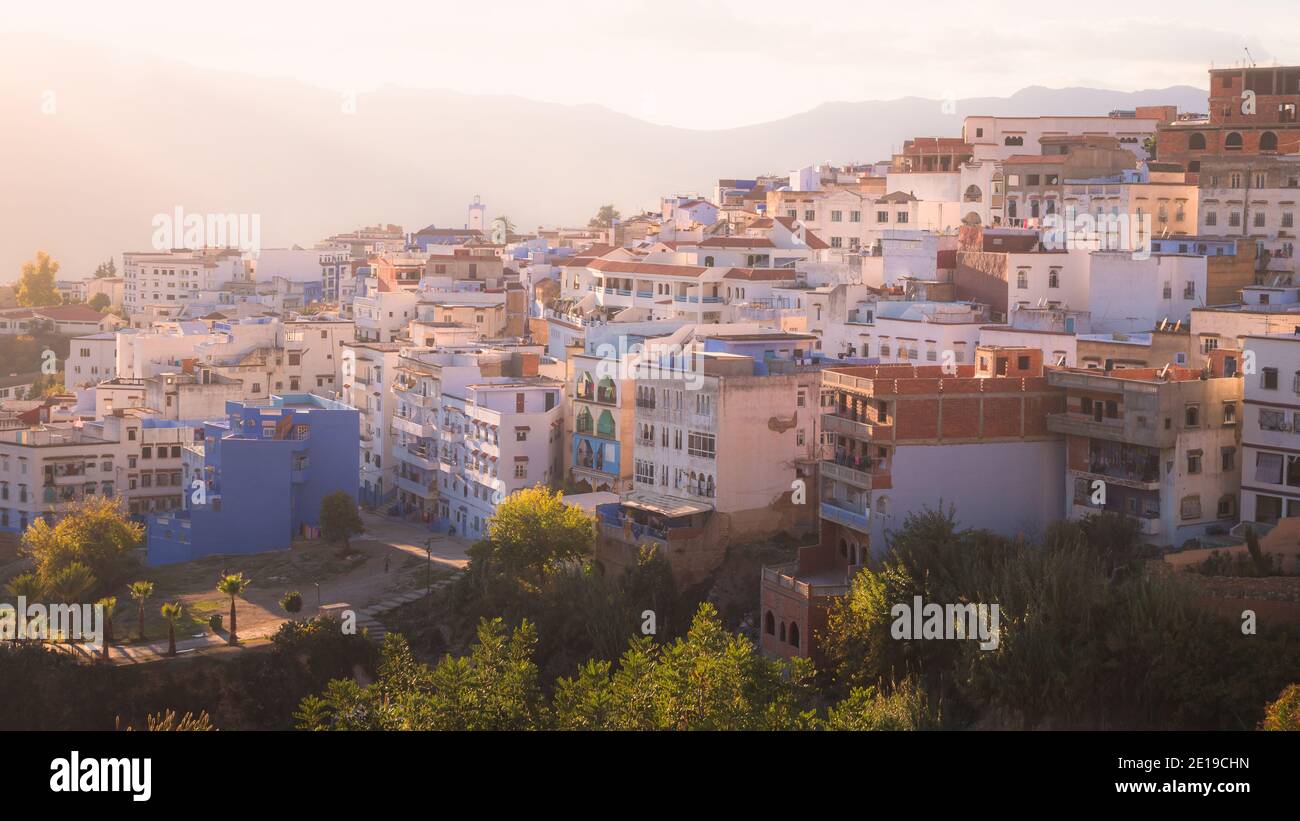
[
  {"x": 898, "y": 437},
  {"x": 1252, "y": 111}
]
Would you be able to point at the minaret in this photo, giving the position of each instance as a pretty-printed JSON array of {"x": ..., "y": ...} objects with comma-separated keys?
[{"x": 477, "y": 215}]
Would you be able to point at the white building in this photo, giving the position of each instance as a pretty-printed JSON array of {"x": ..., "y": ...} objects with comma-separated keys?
[
  {"x": 167, "y": 280},
  {"x": 91, "y": 360},
  {"x": 1270, "y": 430}
]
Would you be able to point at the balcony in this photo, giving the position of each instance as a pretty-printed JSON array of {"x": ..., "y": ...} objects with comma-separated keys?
[
  {"x": 408, "y": 425},
  {"x": 844, "y": 470},
  {"x": 419, "y": 456},
  {"x": 857, "y": 517},
  {"x": 834, "y": 423},
  {"x": 1078, "y": 424},
  {"x": 810, "y": 586},
  {"x": 424, "y": 490}
]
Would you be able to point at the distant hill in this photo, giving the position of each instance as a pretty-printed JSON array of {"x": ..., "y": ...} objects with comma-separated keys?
[{"x": 131, "y": 137}]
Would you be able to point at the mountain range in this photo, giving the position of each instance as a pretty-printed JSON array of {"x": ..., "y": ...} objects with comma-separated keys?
[{"x": 97, "y": 141}]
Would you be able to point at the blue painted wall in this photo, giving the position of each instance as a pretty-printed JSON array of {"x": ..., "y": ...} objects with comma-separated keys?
[{"x": 268, "y": 466}]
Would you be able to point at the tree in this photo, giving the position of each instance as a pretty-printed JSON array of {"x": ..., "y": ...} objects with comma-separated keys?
[
  {"x": 172, "y": 614},
  {"x": 109, "y": 604},
  {"x": 1262, "y": 565},
  {"x": 291, "y": 602},
  {"x": 46, "y": 385},
  {"x": 232, "y": 585},
  {"x": 70, "y": 584},
  {"x": 868, "y": 709},
  {"x": 339, "y": 518},
  {"x": 709, "y": 679},
  {"x": 106, "y": 269},
  {"x": 100, "y": 302},
  {"x": 140, "y": 593},
  {"x": 94, "y": 532},
  {"x": 532, "y": 530},
  {"x": 494, "y": 688},
  {"x": 604, "y": 218},
  {"x": 1149, "y": 144},
  {"x": 1284, "y": 713},
  {"x": 28, "y": 585},
  {"x": 36, "y": 285}
]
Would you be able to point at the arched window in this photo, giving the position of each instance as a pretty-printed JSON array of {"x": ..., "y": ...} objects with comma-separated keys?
[
  {"x": 605, "y": 391},
  {"x": 782, "y": 636},
  {"x": 794, "y": 633},
  {"x": 1268, "y": 141},
  {"x": 973, "y": 194},
  {"x": 584, "y": 421},
  {"x": 769, "y": 624},
  {"x": 605, "y": 427},
  {"x": 1233, "y": 142},
  {"x": 1196, "y": 142},
  {"x": 844, "y": 548},
  {"x": 1011, "y": 209}
]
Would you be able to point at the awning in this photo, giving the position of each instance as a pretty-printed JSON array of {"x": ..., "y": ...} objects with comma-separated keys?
[{"x": 663, "y": 504}]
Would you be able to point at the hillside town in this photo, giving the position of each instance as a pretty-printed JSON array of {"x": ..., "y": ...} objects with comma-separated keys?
[{"x": 1027, "y": 321}]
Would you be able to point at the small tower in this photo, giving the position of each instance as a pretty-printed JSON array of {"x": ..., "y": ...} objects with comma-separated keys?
[{"x": 477, "y": 215}]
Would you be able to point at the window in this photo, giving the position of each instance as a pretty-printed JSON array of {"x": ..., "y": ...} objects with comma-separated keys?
[
  {"x": 1229, "y": 413},
  {"x": 1022, "y": 279},
  {"x": 1268, "y": 468},
  {"x": 1227, "y": 459},
  {"x": 837, "y": 216},
  {"x": 701, "y": 444},
  {"x": 1268, "y": 141},
  {"x": 1227, "y": 507},
  {"x": 1196, "y": 142},
  {"x": 1268, "y": 379},
  {"x": 1193, "y": 462},
  {"x": 521, "y": 470},
  {"x": 1272, "y": 419},
  {"x": 1232, "y": 142},
  {"x": 1192, "y": 416},
  {"x": 1054, "y": 278},
  {"x": 1191, "y": 507}
]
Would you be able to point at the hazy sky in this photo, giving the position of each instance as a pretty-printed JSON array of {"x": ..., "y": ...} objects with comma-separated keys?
[{"x": 696, "y": 63}]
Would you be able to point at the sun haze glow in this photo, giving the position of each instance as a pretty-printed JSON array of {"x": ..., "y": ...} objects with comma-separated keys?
[{"x": 697, "y": 64}]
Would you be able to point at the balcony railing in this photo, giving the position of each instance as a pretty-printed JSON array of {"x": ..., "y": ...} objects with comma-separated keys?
[{"x": 857, "y": 517}]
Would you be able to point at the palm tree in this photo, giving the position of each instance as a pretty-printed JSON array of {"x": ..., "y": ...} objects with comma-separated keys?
[
  {"x": 71, "y": 584},
  {"x": 140, "y": 591},
  {"x": 232, "y": 585},
  {"x": 172, "y": 613},
  {"x": 109, "y": 603},
  {"x": 27, "y": 585}
]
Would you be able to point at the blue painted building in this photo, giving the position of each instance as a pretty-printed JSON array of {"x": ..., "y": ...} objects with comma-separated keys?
[{"x": 264, "y": 469}]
